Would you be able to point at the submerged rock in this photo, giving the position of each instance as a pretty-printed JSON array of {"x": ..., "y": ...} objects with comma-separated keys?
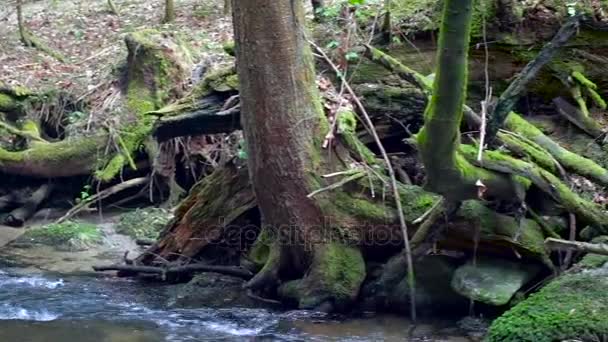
[
  {"x": 573, "y": 306},
  {"x": 492, "y": 281},
  {"x": 211, "y": 290}
]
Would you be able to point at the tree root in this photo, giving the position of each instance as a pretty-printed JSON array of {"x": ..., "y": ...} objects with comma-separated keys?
[
  {"x": 168, "y": 272},
  {"x": 572, "y": 162},
  {"x": 29, "y": 39},
  {"x": 268, "y": 276},
  {"x": 544, "y": 180}
]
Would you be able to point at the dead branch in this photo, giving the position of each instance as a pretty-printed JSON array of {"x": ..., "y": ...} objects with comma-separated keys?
[
  {"x": 594, "y": 248},
  {"x": 516, "y": 89},
  {"x": 103, "y": 194},
  {"x": 234, "y": 271}
]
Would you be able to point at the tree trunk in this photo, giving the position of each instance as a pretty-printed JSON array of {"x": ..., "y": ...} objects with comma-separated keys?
[
  {"x": 284, "y": 125},
  {"x": 448, "y": 173},
  {"x": 22, "y": 30},
  {"x": 112, "y": 7},
  {"x": 169, "y": 11}
]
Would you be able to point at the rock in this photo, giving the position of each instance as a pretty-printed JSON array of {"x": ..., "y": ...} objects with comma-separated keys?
[
  {"x": 69, "y": 248},
  {"x": 571, "y": 307},
  {"x": 433, "y": 292},
  {"x": 211, "y": 290},
  {"x": 492, "y": 281}
]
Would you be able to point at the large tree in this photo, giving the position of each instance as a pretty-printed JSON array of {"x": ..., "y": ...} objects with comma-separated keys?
[{"x": 284, "y": 125}]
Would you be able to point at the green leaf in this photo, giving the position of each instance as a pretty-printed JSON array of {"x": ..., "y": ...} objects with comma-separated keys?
[
  {"x": 332, "y": 45},
  {"x": 351, "y": 56}
]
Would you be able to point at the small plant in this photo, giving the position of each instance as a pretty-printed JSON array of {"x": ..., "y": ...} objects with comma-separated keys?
[
  {"x": 85, "y": 193},
  {"x": 143, "y": 223}
]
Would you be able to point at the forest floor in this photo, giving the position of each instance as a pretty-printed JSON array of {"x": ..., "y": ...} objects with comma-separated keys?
[{"x": 91, "y": 39}]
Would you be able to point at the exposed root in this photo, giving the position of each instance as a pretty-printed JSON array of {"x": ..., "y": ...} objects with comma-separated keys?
[
  {"x": 171, "y": 272},
  {"x": 268, "y": 277},
  {"x": 545, "y": 181}
]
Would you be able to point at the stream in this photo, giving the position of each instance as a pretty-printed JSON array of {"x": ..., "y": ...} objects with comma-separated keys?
[{"x": 47, "y": 308}]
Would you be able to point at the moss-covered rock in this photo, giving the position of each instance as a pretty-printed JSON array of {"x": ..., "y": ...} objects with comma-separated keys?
[
  {"x": 571, "y": 307},
  {"x": 7, "y": 103},
  {"x": 492, "y": 281},
  {"x": 69, "y": 235},
  {"x": 143, "y": 223}
]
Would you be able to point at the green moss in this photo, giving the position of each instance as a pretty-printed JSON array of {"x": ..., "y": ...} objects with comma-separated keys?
[
  {"x": 363, "y": 207},
  {"x": 260, "y": 250},
  {"x": 143, "y": 223},
  {"x": 495, "y": 226},
  {"x": 595, "y": 260},
  {"x": 70, "y": 235},
  {"x": 484, "y": 10},
  {"x": 573, "y": 306},
  {"x": 336, "y": 274},
  {"x": 157, "y": 64},
  {"x": 229, "y": 47},
  {"x": 7, "y": 103}
]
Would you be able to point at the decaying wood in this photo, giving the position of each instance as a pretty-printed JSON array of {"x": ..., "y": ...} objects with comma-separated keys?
[
  {"x": 17, "y": 217},
  {"x": 518, "y": 87},
  {"x": 177, "y": 270},
  {"x": 198, "y": 122},
  {"x": 558, "y": 244},
  {"x": 217, "y": 202}
]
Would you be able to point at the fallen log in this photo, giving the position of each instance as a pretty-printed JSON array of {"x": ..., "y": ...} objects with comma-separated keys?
[
  {"x": 564, "y": 245},
  {"x": 198, "y": 122},
  {"x": 234, "y": 271},
  {"x": 17, "y": 217}
]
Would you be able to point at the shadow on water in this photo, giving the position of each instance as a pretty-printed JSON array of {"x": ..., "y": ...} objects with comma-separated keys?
[{"x": 36, "y": 308}]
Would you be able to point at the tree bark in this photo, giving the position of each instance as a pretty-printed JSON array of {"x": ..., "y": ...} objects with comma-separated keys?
[
  {"x": 448, "y": 173},
  {"x": 284, "y": 125},
  {"x": 280, "y": 112},
  {"x": 22, "y": 30},
  {"x": 169, "y": 11}
]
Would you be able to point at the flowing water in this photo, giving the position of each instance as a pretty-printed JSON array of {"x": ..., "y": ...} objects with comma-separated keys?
[{"x": 44, "y": 308}]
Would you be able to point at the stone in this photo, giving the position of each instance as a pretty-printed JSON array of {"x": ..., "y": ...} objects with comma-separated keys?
[{"x": 492, "y": 281}]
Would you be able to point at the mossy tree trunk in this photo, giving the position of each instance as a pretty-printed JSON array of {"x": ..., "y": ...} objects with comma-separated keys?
[
  {"x": 22, "y": 29},
  {"x": 448, "y": 173},
  {"x": 284, "y": 125},
  {"x": 169, "y": 11}
]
